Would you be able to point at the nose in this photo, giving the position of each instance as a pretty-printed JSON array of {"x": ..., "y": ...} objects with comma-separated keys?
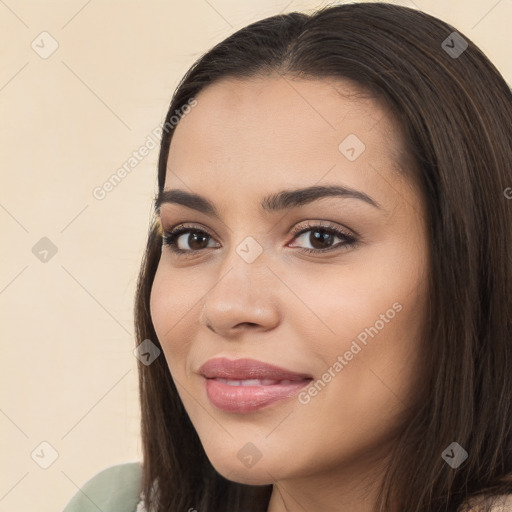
[{"x": 244, "y": 297}]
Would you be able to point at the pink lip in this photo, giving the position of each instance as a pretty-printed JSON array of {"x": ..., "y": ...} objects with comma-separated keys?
[
  {"x": 243, "y": 399},
  {"x": 238, "y": 369}
]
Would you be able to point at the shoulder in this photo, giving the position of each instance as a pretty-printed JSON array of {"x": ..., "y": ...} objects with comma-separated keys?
[
  {"x": 114, "y": 489},
  {"x": 503, "y": 503},
  {"x": 500, "y": 503}
]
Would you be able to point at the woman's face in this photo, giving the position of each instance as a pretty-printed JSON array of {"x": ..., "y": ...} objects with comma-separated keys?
[{"x": 349, "y": 317}]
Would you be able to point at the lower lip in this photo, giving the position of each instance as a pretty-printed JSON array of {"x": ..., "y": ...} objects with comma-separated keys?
[{"x": 245, "y": 399}]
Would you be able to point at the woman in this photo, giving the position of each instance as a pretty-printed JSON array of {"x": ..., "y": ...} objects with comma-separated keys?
[{"x": 328, "y": 276}]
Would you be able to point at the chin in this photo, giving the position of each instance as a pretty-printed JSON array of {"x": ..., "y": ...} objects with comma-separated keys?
[
  {"x": 247, "y": 476},
  {"x": 235, "y": 470}
]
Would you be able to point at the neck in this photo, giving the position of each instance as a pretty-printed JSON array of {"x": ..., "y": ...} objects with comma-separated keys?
[{"x": 352, "y": 488}]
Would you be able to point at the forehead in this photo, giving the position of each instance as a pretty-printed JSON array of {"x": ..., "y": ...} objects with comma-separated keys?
[
  {"x": 284, "y": 104},
  {"x": 261, "y": 130}
]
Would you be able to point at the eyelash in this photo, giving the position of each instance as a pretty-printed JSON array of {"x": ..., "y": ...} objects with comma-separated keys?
[{"x": 169, "y": 238}]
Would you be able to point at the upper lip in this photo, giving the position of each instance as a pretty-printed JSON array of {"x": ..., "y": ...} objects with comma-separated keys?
[{"x": 240, "y": 369}]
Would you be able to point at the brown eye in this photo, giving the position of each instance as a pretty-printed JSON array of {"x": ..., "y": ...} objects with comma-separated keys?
[
  {"x": 322, "y": 238},
  {"x": 185, "y": 240}
]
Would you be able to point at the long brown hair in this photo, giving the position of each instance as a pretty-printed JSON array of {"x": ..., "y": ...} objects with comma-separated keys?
[{"x": 455, "y": 111}]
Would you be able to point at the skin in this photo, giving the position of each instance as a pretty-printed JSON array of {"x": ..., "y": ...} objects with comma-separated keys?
[{"x": 247, "y": 138}]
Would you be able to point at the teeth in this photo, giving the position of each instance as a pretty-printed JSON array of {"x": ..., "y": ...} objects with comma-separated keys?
[{"x": 253, "y": 382}]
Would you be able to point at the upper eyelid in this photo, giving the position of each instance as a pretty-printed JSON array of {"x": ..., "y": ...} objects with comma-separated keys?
[
  {"x": 348, "y": 240},
  {"x": 309, "y": 224},
  {"x": 183, "y": 227}
]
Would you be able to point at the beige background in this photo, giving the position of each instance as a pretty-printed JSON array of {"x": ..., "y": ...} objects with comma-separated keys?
[{"x": 69, "y": 121}]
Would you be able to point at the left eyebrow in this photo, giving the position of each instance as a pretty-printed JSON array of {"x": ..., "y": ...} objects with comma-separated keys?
[{"x": 283, "y": 200}]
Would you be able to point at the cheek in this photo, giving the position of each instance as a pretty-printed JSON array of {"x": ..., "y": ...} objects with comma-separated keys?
[
  {"x": 334, "y": 304},
  {"x": 371, "y": 312},
  {"x": 171, "y": 304},
  {"x": 365, "y": 395}
]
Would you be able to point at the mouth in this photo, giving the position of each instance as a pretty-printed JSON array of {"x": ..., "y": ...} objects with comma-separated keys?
[
  {"x": 247, "y": 385},
  {"x": 247, "y": 369},
  {"x": 255, "y": 382}
]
